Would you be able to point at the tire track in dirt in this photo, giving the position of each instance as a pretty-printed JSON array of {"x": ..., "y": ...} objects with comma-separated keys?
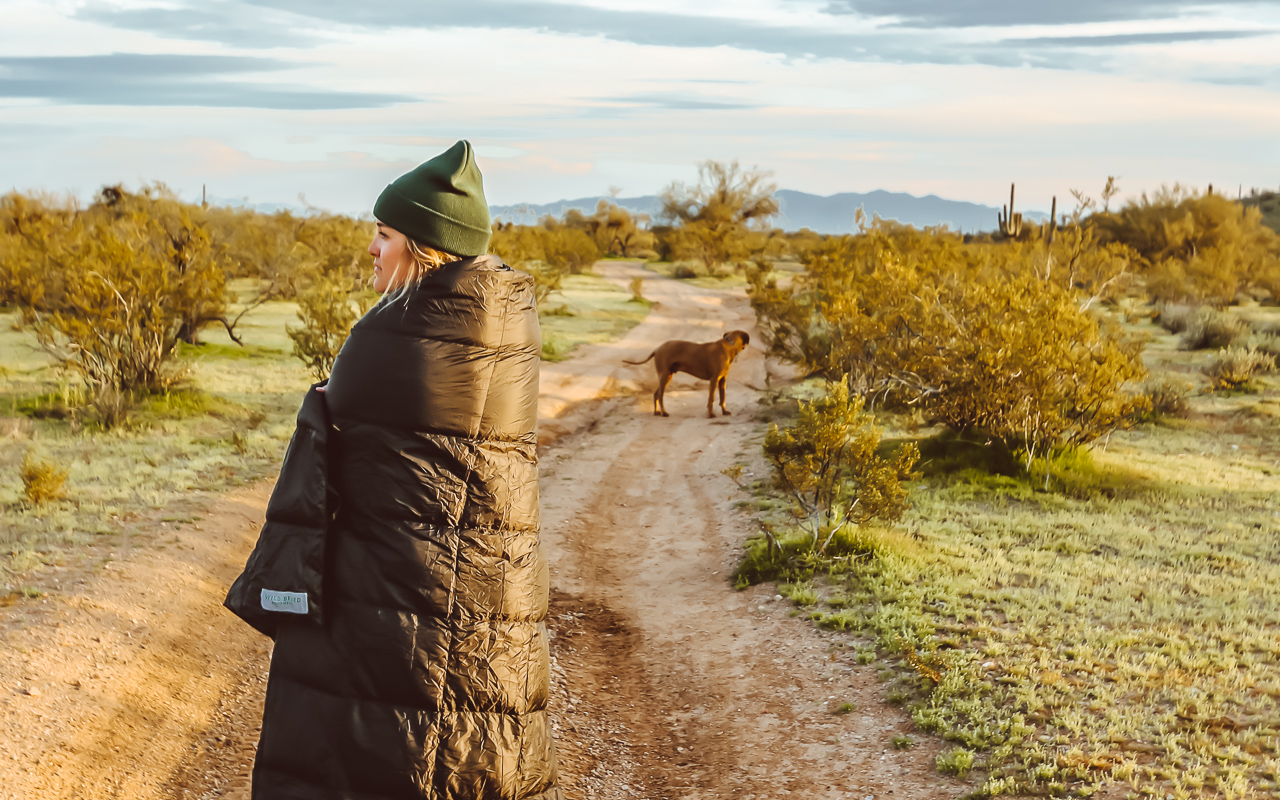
[{"x": 737, "y": 694}]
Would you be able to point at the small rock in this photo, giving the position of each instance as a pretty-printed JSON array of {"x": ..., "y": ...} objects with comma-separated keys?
[{"x": 31, "y": 691}]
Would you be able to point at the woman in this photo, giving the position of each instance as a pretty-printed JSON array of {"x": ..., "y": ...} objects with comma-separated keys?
[{"x": 429, "y": 678}]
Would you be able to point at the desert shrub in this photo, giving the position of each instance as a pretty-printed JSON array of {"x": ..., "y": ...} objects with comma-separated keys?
[
  {"x": 684, "y": 271},
  {"x": 549, "y": 247},
  {"x": 1167, "y": 398},
  {"x": 1234, "y": 367},
  {"x": 1175, "y": 317},
  {"x": 636, "y": 285},
  {"x": 42, "y": 480},
  {"x": 110, "y": 290},
  {"x": 993, "y": 339},
  {"x": 547, "y": 278},
  {"x": 1211, "y": 329},
  {"x": 828, "y": 467},
  {"x": 555, "y": 348},
  {"x": 327, "y": 309},
  {"x": 1196, "y": 247}
]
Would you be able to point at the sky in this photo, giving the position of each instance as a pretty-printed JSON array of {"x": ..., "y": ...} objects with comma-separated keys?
[{"x": 324, "y": 102}]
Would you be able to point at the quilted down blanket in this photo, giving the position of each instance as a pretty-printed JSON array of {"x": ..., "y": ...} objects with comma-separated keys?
[{"x": 429, "y": 677}]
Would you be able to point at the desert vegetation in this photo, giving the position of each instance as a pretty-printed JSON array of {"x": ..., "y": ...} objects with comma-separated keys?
[
  {"x": 1077, "y": 589},
  {"x": 1031, "y": 475},
  {"x": 153, "y": 351}
]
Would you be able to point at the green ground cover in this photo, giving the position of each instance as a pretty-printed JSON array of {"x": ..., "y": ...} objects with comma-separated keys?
[{"x": 1121, "y": 627}]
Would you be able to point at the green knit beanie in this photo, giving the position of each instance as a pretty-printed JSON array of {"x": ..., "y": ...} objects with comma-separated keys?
[{"x": 440, "y": 204}]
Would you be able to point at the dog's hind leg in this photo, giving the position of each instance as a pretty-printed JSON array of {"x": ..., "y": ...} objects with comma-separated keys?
[{"x": 659, "y": 402}]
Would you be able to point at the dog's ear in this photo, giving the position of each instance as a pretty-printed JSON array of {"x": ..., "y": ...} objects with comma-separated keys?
[{"x": 746, "y": 338}]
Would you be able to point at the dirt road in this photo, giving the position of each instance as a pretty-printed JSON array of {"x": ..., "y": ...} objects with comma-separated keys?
[{"x": 668, "y": 683}]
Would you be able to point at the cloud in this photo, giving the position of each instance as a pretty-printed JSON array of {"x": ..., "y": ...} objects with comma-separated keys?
[
  {"x": 241, "y": 23},
  {"x": 135, "y": 79},
  {"x": 1126, "y": 39},
  {"x": 247, "y": 23},
  {"x": 999, "y": 13},
  {"x": 679, "y": 102},
  {"x": 232, "y": 22}
]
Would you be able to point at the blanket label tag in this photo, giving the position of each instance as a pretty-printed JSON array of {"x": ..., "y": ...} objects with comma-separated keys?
[{"x": 288, "y": 602}]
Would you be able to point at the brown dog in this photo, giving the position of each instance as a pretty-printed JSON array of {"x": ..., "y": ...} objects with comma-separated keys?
[{"x": 708, "y": 362}]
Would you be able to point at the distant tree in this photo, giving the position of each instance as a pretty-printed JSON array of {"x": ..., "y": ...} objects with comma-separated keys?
[
  {"x": 710, "y": 221},
  {"x": 615, "y": 230}
]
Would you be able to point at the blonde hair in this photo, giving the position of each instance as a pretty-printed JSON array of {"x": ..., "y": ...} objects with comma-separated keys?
[{"x": 423, "y": 260}]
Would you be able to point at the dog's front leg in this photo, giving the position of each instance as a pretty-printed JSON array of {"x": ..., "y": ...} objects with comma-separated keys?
[{"x": 722, "y": 382}]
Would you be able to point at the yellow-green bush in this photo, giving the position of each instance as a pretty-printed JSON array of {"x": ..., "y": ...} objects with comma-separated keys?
[
  {"x": 327, "y": 310},
  {"x": 828, "y": 467},
  {"x": 1195, "y": 247},
  {"x": 989, "y": 338},
  {"x": 722, "y": 219},
  {"x": 110, "y": 290},
  {"x": 42, "y": 480}
]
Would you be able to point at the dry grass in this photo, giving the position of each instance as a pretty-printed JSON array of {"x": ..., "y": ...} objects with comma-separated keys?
[{"x": 1234, "y": 367}]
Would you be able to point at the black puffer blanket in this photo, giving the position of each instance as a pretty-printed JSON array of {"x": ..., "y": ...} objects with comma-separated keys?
[{"x": 429, "y": 678}]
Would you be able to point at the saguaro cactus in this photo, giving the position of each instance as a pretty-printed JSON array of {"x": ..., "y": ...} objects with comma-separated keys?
[
  {"x": 1010, "y": 222},
  {"x": 1052, "y": 227}
]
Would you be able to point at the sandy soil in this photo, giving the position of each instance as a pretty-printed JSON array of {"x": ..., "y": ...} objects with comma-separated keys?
[{"x": 130, "y": 681}]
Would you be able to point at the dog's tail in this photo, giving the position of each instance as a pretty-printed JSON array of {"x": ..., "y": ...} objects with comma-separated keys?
[{"x": 638, "y": 363}]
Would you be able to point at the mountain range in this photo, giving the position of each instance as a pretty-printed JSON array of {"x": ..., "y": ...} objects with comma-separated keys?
[{"x": 831, "y": 214}]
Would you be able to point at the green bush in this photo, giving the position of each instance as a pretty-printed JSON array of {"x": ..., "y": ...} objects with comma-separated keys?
[
  {"x": 828, "y": 467},
  {"x": 109, "y": 291},
  {"x": 956, "y": 761},
  {"x": 722, "y": 219},
  {"x": 548, "y": 251}
]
